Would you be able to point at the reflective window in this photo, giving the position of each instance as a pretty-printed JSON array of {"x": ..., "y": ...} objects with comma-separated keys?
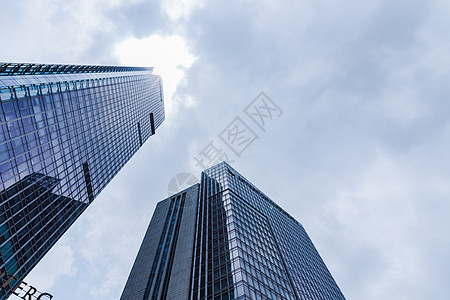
[{"x": 50, "y": 125}]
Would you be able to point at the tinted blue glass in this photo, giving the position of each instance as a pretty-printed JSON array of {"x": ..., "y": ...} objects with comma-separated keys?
[
  {"x": 236, "y": 244},
  {"x": 63, "y": 138},
  {"x": 254, "y": 249}
]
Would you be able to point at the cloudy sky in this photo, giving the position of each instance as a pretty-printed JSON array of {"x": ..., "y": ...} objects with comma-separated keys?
[{"x": 359, "y": 155}]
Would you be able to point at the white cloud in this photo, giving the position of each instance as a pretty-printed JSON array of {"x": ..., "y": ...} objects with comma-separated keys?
[
  {"x": 111, "y": 279},
  {"x": 382, "y": 213},
  {"x": 178, "y": 9},
  {"x": 56, "y": 31},
  {"x": 57, "y": 263},
  {"x": 169, "y": 56},
  {"x": 350, "y": 77}
]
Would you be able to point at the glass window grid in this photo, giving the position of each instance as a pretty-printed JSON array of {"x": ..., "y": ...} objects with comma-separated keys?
[
  {"x": 14, "y": 69},
  {"x": 222, "y": 234},
  {"x": 32, "y": 229},
  {"x": 47, "y": 133},
  {"x": 157, "y": 287},
  {"x": 309, "y": 275}
]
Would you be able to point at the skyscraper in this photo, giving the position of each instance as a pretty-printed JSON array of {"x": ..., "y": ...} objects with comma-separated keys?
[
  {"x": 65, "y": 132},
  {"x": 224, "y": 239}
]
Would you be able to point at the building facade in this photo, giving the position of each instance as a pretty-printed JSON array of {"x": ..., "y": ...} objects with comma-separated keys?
[
  {"x": 65, "y": 132},
  {"x": 224, "y": 239}
]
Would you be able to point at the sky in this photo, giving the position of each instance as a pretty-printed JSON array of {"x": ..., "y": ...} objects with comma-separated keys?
[{"x": 358, "y": 152}]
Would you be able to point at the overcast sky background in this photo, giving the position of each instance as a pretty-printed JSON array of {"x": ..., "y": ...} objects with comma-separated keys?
[{"x": 360, "y": 155}]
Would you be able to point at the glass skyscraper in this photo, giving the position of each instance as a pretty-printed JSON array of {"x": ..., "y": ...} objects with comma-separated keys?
[
  {"x": 224, "y": 239},
  {"x": 65, "y": 132}
]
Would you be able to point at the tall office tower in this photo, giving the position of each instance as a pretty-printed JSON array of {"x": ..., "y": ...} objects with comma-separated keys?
[
  {"x": 224, "y": 239},
  {"x": 65, "y": 132}
]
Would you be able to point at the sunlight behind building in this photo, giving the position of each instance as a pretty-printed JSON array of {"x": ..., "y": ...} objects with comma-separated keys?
[{"x": 168, "y": 55}]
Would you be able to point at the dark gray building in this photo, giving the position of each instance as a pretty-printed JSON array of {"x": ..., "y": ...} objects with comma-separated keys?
[
  {"x": 65, "y": 132},
  {"x": 224, "y": 239}
]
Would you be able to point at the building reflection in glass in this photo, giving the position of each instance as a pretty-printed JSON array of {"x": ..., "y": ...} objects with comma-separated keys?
[{"x": 32, "y": 219}]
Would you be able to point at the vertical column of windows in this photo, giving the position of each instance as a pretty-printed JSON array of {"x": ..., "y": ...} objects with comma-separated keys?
[
  {"x": 170, "y": 237},
  {"x": 158, "y": 251},
  {"x": 139, "y": 133},
  {"x": 198, "y": 288},
  {"x": 221, "y": 286},
  {"x": 172, "y": 251},
  {"x": 87, "y": 178},
  {"x": 152, "y": 123}
]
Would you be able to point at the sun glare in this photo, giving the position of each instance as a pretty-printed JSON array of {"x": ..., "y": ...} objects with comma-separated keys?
[{"x": 168, "y": 55}]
